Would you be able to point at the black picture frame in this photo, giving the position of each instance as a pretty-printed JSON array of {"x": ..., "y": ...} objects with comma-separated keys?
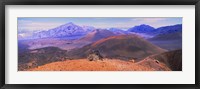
[{"x": 99, "y": 2}]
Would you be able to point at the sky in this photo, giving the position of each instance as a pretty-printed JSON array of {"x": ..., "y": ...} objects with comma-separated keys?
[{"x": 45, "y": 23}]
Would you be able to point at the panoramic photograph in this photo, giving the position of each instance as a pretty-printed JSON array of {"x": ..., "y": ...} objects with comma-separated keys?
[{"x": 99, "y": 43}]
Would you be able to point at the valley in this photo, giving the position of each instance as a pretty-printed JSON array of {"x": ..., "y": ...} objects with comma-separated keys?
[{"x": 66, "y": 48}]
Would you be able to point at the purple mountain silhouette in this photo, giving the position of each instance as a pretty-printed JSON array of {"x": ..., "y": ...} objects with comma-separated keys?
[
  {"x": 66, "y": 30},
  {"x": 152, "y": 31},
  {"x": 142, "y": 29}
]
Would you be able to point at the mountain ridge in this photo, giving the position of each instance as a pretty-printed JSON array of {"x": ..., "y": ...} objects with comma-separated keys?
[{"x": 113, "y": 46}]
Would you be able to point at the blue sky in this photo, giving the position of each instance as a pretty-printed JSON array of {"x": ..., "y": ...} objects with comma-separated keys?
[{"x": 44, "y": 23}]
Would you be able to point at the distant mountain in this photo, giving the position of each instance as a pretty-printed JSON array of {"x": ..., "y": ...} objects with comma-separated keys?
[
  {"x": 96, "y": 35},
  {"x": 118, "y": 31},
  {"x": 146, "y": 29},
  {"x": 68, "y": 44},
  {"x": 91, "y": 37},
  {"x": 66, "y": 30},
  {"x": 72, "y": 31},
  {"x": 88, "y": 28},
  {"x": 121, "y": 47},
  {"x": 169, "y": 29},
  {"x": 142, "y": 29}
]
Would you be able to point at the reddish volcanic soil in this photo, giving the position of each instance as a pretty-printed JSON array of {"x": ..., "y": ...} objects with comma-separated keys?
[{"x": 105, "y": 65}]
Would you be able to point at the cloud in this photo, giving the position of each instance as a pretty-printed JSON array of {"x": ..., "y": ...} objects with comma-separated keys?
[
  {"x": 149, "y": 20},
  {"x": 31, "y": 25},
  {"x": 123, "y": 23}
]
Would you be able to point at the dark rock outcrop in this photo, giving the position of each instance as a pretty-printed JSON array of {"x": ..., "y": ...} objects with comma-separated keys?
[
  {"x": 95, "y": 55},
  {"x": 173, "y": 59}
]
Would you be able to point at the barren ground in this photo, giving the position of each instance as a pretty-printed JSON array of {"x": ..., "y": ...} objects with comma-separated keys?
[{"x": 105, "y": 65}]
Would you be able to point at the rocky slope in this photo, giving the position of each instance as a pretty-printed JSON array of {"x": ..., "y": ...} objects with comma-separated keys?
[{"x": 105, "y": 65}]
